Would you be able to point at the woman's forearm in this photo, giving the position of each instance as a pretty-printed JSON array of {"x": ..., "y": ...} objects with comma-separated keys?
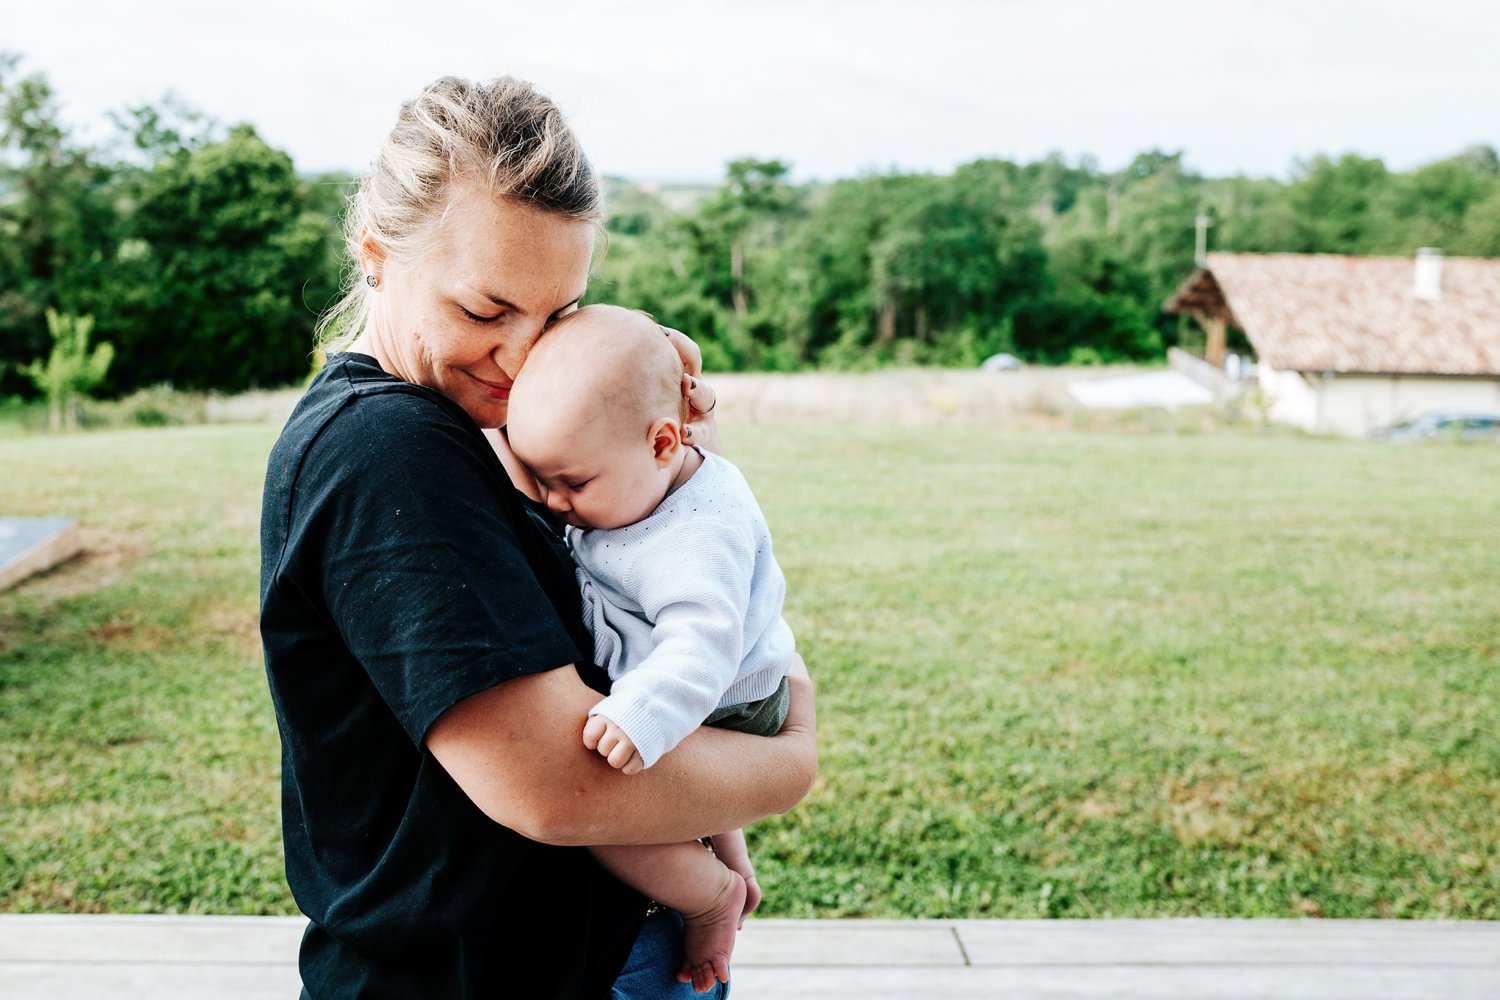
[{"x": 517, "y": 752}]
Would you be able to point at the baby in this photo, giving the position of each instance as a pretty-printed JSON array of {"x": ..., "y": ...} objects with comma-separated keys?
[{"x": 680, "y": 589}]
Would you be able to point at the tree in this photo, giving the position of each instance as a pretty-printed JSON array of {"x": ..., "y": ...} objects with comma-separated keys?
[
  {"x": 1342, "y": 206},
  {"x": 956, "y": 255},
  {"x": 754, "y": 194},
  {"x": 1479, "y": 236},
  {"x": 58, "y": 224},
  {"x": 71, "y": 369},
  {"x": 1433, "y": 200},
  {"x": 170, "y": 127},
  {"x": 209, "y": 289}
]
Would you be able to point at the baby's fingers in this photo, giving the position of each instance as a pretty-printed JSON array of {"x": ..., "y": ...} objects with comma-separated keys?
[
  {"x": 621, "y": 753},
  {"x": 594, "y": 730}
]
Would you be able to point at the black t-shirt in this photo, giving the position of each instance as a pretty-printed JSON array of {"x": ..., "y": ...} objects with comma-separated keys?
[{"x": 401, "y": 572}]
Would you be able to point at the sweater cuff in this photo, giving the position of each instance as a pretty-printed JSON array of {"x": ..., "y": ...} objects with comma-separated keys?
[{"x": 640, "y": 725}]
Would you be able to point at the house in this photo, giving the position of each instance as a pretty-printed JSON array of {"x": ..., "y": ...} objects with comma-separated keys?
[{"x": 1350, "y": 345}]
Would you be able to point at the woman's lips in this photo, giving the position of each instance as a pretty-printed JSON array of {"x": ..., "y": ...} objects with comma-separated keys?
[{"x": 494, "y": 390}]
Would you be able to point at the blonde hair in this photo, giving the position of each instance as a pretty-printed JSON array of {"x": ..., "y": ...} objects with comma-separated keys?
[{"x": 500, "y": 132}]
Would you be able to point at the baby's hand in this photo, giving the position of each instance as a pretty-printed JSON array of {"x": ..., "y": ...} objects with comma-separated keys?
[{"x": 613, "y": 745}]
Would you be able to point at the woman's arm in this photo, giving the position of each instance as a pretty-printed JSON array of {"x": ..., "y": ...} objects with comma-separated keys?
[{"x": 515, "y": 751}]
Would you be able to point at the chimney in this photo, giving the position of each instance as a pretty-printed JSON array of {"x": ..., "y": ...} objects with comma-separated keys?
[{"x": 1427, "y": 282}]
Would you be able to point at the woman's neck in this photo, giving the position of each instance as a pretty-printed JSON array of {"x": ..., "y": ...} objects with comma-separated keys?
[{"x": 367, "y": 343}]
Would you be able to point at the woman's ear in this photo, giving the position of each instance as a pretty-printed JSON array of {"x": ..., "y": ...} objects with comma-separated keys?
[
  {"x": 371, "y": 256},
  {"x": 666, "y": 440}
]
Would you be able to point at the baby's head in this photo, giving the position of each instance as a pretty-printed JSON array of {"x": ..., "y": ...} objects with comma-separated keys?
[{"x": 596, "y": 414}]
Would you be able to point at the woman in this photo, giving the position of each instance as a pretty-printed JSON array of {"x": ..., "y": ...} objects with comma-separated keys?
[{"x": 424, "y": 647}]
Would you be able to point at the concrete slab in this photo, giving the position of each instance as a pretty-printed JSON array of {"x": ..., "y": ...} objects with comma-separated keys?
[
  {"x": 865, "y": 944},
  {"x": 31, "y": 544},
  {"x": 1129, "y": 392},
  {"x": 1232, "y": 942},
  {"x": 254, "y": 958},
  {"x": 87, "y": 938},
  {"x": 1204, "y": 982},
  {"x": 147, "y": 981}
]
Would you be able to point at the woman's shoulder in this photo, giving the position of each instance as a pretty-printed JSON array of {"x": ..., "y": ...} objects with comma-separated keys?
[
  {"x": 353, "y": 387},
  {"x": 355, "y": 423},
  {"x": 352, "y": 402}
]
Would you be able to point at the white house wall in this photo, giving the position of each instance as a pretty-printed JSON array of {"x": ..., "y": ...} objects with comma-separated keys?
[
  {"x": 1291, "y": 399},
  {"x": 1359, "y": 404}
]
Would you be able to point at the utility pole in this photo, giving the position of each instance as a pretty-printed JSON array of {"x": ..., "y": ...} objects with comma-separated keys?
[{"x": 1201, "y": 256}]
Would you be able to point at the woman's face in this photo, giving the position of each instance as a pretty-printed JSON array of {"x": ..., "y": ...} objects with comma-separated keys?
[{"x": 462, "y": 319}]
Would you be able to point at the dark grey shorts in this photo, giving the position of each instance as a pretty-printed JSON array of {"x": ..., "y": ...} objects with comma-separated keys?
[{"x": 762, "y": 718}]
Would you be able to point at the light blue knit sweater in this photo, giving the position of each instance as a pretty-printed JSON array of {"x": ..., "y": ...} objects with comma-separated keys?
[{"x": 685, "y": 609}]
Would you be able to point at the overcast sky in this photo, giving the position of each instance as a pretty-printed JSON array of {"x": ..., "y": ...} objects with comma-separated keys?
[{"x": 671, "y": 89}]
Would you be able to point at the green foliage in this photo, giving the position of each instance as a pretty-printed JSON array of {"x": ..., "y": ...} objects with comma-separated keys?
[
  {"x": 198, "y": 248},
  {"x": 1479, "y": 234},
  {"x": 1046, "y": 260},
  {"x": 71, "y": 369},
  {"x": 1043, "y": 658},
  {"x": 57, "y": 221},
  {"x": 208, "y": 259},
  {"x": 212, "y": 296}
]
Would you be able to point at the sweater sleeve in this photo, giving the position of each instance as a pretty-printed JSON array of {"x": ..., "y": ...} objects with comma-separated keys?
[{"x": 697, "y": 634}]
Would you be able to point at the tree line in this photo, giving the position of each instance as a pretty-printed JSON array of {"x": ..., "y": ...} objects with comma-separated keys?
[{"x": 201, "y": 255}]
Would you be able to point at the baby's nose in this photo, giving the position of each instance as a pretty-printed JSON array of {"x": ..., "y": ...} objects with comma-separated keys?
[{"x": 556, "y": 502}]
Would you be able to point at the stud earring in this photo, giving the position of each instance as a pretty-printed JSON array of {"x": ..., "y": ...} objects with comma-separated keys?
[{"x": 371, "y": 280}]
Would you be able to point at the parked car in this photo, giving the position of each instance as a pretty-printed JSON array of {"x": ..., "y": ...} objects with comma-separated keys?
[{"x": 1446, "y": 425}]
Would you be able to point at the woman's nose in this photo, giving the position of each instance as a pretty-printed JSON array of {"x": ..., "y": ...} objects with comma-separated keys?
[{"x": 510, "y": 354}]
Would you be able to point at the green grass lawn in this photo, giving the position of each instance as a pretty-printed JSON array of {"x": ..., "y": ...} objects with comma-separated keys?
[{"x": 1061, "y": 674}]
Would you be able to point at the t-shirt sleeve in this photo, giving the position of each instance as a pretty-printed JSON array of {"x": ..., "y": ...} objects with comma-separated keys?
[{"x": 420, "y": 562}]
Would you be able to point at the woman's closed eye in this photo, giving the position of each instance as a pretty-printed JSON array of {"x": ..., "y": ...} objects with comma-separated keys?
[{"x": 481, "y": 319}]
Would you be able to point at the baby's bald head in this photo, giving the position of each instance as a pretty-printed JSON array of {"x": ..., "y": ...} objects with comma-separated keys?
[{"x": 601, "y": 370}]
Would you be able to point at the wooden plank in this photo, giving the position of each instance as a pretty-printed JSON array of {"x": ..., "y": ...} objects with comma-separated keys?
[
  {"x": 1236, "y": 942},
  {"x": 847, "y": 942},
  {"x": 271, "y": 939},
  {"x": 1218, "y": 338},
  {"x": 147, "y": 981},
  {"x": 253, "y": 958},
  {"x": 1113, "y": 983},
  {"x": 70, "y": 938},
  {"x": 225, "y": 981}
]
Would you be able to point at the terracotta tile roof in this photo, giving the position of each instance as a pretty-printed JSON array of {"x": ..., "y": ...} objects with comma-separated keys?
[{"x": 1327, "y": 313}]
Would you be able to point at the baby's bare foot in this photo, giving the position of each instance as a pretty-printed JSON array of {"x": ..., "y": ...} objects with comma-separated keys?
[{"x": 708, "y": 936}]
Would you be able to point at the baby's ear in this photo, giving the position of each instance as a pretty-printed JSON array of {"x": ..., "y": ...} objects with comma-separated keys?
[{"x": 666, "y": 440}]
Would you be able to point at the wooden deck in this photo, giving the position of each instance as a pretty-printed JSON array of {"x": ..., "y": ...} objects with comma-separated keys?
[{"x": 254, "y": 958}]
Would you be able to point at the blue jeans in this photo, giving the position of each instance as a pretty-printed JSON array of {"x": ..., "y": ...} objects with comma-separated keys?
[{"x": 650, "y": 972}]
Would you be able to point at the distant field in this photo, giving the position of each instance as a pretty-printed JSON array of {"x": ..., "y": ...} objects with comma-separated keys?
[{"x": 1061, "y": 673}]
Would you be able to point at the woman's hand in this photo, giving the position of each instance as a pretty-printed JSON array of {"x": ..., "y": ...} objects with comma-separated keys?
[{"x": 702, "y": 429}]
